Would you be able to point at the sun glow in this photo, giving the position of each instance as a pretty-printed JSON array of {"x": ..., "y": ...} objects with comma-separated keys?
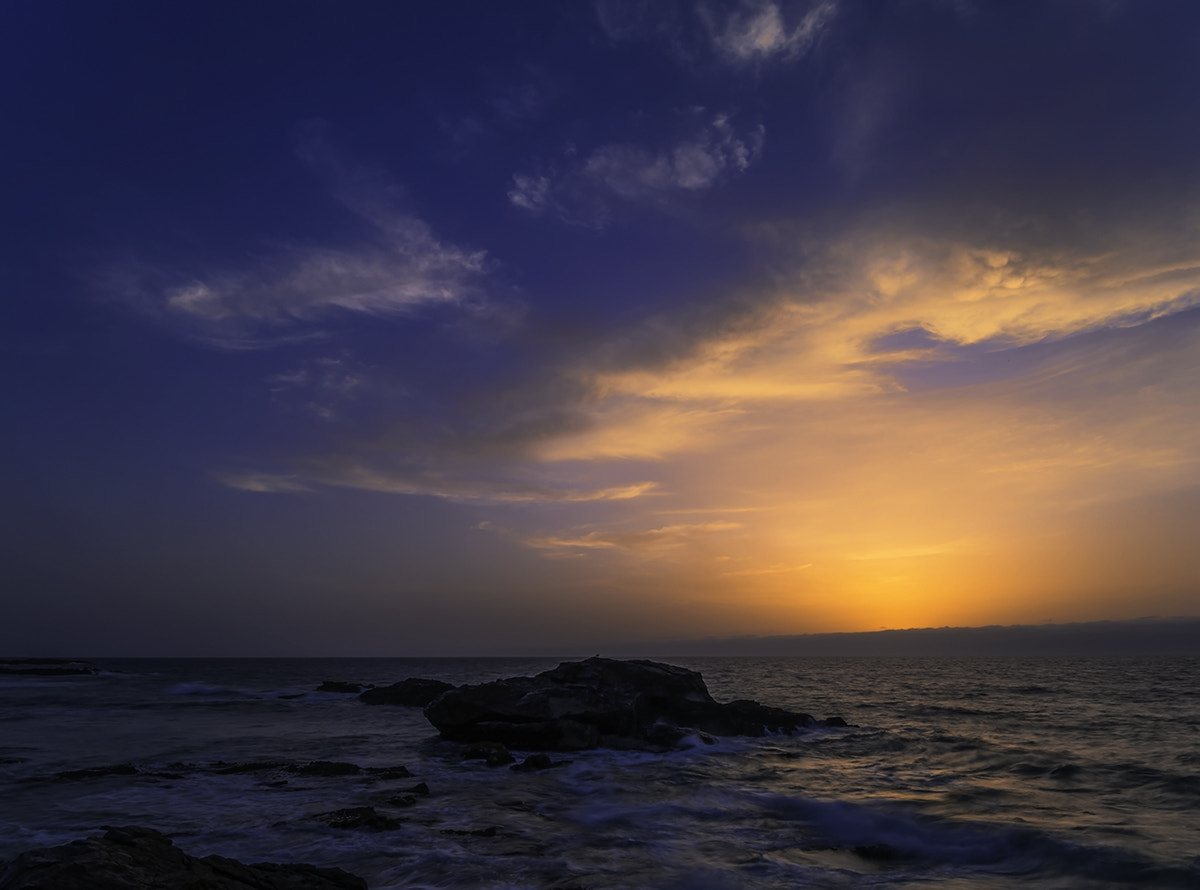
[{"x": 877, "y": 446}]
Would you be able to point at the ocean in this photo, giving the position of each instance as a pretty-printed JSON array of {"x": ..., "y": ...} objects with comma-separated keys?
[{"x": 955, "y": 772}]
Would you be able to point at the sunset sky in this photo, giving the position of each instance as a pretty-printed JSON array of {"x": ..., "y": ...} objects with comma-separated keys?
[{"x": 392, "y": 328}]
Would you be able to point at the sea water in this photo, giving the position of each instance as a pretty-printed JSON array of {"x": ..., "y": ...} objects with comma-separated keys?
[{"x": 955, "y": 772}]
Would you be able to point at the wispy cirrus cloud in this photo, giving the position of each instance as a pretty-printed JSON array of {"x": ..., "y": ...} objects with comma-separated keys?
[
  {"x": 863, "y": 307},
  {"x": 851, "y": 326},
  {"x": 634, "y": 173},
  {"x": 288, "y": 292},
  {"x": 585, "y": 190},
  {"x": 775, "y": 569},
  {"x": 263, "y": 483},
  {"x": 325, "y": 383},
  {"x": 640, "y": 541},
  {"x": 410, "y": 269},
  {"x": 760, "y": 30},
  {"x": 447, "y": 482},
  {"x": 736, "y": 34}
]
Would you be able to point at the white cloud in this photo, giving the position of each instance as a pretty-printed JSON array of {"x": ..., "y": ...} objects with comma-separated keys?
[
  {"x": 758, "y": 30},
  {"x": 450, "y": 486},
  {"x": 410, "y": 268},
  {"x": 865, "y": 307},
  {"x": 775, "y": 569},
  {"x": 446, "y": 482},
  {"x": 398, "y": 267},
  {"x": 324, "y": 384},
  {"x": 533, "y": 193},
  {"x": 667, "y": 537},
  {"x": 636, "y": 174},
  {"x": 739, "y": 33},
  {"x": 262, "y": 482}
]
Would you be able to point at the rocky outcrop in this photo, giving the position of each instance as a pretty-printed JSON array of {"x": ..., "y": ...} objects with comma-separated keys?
[
  {"x": 415, "y": 692},
  {"x": 536, "y": 763},
  {"x": 97, "y": 772},
  {"x": 342, "y": 688},
  {"x": 600, "y": 702},
  {"x": 491, "y": 753},
  {"x": 136, "y": 858},
  {"x": 47, "y": 667}
]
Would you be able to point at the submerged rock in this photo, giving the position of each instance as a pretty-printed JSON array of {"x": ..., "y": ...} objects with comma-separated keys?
[
  {"x": 359, "y": 818},
  {"x": 600, "y": 702},
  {"x": 342, "y": 687},
  {"x": 97, "y": 772},
  {"x": 494, "y": 753},
  {"x": 490, "y": 831},
  {"x": 326, "y": 768},
  {"x": 536, "y": 763},
  {"x": 389, "y": 773},
  {"x": 134, "y": 858},
  {"x": 415, "y": 692},
  {"x": 224, "y": 768}
]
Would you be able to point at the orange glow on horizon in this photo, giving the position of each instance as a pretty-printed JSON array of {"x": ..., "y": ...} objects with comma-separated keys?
[{"x": 802, "y": 486}]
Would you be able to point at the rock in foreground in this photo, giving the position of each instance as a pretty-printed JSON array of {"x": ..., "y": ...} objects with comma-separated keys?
[
  {"x": 132, "y": 857},
  {"x": 600, "y": 702}
]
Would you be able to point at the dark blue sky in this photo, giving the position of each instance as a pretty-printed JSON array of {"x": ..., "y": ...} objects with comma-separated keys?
[{"x": 393, "y": 328}]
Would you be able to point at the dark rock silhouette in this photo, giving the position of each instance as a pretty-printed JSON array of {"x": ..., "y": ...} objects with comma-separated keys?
[
  {"x": 388, "y": 773},
  {"x": 134, "y": 858},
  {"x": 493, "y": 753},
  {"x": 490, "y": 831},
  {"x": 97, "y": 772},
  {"x": 415, "y": 692},
  {"x": 359, "y": 818},
  {"x": 47, "y": 667},
  {"x": 325, "y": 768},
  {"x": 536, "y": 763},
  {"x": 600, "y": 702},
  {"x": 342, "y": 687},
  {"x": 224, "y": 768}
]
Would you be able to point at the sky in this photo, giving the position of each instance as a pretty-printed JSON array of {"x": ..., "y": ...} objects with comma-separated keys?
[{"x": 378, "y": 328}]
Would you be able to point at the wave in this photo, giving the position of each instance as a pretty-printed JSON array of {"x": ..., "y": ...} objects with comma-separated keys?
[{"x": 894, "y": 835}]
